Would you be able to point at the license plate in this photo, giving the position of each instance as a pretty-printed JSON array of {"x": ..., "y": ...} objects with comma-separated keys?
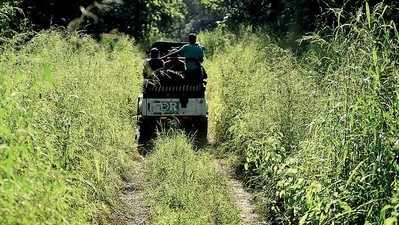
[{"x": 165, "y": 107}]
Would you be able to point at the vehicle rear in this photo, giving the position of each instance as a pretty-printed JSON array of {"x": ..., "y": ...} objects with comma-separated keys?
[{"x": 172, "y": 99}]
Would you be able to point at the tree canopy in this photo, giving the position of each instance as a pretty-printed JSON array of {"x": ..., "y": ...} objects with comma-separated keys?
[
  {"x": 140, "y": 17},
  {"x": 133, "y": 17},
  {"x": 293, "y": 15}
]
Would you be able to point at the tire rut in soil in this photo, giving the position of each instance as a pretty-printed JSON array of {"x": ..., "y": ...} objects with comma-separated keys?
[
  {"x": 134, "y": 211},
  {"x": 241, "y": 198}
]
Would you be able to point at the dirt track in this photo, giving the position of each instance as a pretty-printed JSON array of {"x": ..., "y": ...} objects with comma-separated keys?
[
  {"x": 133, "y": 209},
  {"x": 241, "y": 198}
]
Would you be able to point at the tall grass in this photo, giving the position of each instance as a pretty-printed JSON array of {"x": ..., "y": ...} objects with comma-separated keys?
[
  {"x": 185, "y": 188},
  {"x": 316, "y": 134},
  {"x": 66, "y": 133}
]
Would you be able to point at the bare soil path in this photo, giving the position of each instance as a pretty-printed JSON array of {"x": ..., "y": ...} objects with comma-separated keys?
[
  {"x": 133, "y": 210},
  {"x": 241, "y": 198}
]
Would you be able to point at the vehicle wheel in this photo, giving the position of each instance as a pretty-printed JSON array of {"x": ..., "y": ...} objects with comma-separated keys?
[
  {"x": 146, "y": 134},
  {"x": 201, "y": 132}
]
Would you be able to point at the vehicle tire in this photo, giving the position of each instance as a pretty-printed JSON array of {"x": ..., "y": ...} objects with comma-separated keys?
[
  {"x": 201, "y": 132},
  {"x": 146, "y": 134}
]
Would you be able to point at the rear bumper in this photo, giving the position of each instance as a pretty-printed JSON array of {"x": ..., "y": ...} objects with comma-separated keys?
[{"x": 172, "y": 107}]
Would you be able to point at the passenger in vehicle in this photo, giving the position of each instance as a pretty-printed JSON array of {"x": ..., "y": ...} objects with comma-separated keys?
[
  {"x": 153, "y": 64},
  {"x": 194, "y": 54},
  {"x": 194, "y": 57}
]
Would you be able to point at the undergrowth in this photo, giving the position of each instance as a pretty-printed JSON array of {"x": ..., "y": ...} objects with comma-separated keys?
[
  {"x": 66, "y": 133},
  {"x": 185, "y": 187},
  {"x": 316, "y": 134}
]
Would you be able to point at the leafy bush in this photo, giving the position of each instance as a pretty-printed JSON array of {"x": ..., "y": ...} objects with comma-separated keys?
[
  {"x": 66, "y": 134},
  {"x": 11, "y": 19}
]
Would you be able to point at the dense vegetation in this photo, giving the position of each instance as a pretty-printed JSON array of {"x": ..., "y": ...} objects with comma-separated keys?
[
  {"x": 315, "y": 134},
  {"x": 66, "y": 131}
]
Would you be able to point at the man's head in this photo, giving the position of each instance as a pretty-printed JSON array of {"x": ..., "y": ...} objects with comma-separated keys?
[
  {"x": 192, "y": 38},
  {"x": 154, "y": 53}
]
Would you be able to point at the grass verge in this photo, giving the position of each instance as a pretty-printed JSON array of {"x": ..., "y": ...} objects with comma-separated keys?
[
  {"x": 185, "y": 187},
  {"x": 66, "y": 134},
  {"x": 317, "y": 133}
]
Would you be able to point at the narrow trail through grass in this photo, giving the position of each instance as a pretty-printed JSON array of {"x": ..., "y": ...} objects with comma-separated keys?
[
  {"x": 177, "y": 185},
  {"x": 242, "y": 199},
  {"x": 132, "y": 197}
]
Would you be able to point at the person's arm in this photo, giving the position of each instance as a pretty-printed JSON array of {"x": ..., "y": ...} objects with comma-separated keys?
[{"x": 172, "y": 53}]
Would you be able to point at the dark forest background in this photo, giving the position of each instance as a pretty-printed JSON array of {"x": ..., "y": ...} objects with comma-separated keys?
[
  {"x": 139, "y": 18},
  {"x": 296, "y": 15}
]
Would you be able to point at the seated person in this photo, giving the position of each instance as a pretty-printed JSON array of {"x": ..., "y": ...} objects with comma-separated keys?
[
  {"x": 152, "y": 64},
  {"x": 175, "y": 64}
]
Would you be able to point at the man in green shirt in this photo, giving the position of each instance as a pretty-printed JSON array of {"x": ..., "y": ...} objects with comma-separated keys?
[
  {"x": 194, "y": 57},
  {"x": 194, "y": 53}
]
